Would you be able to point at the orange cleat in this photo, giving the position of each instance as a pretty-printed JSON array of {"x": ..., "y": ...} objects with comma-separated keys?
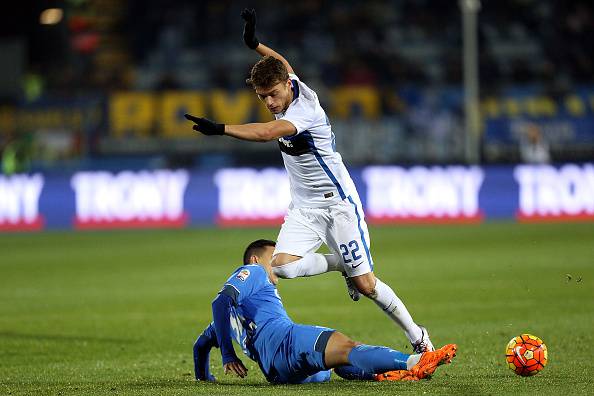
[
  {"x": 430, "y": 360},
  {"x": 396, "y": 375}
]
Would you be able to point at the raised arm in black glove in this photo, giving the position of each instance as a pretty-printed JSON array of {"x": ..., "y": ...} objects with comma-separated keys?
[
  {"x": 249, "y": 29},
  {"x": 206, "y": 126}
]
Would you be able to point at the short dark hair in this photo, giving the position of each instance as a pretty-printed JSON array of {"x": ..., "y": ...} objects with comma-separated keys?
[
  {"x": 268, "y": 72},
  {"x": 256, "y": 248}
]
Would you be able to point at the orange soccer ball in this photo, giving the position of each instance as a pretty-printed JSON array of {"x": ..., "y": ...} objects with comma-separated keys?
[{"x": 526, "y": 355}]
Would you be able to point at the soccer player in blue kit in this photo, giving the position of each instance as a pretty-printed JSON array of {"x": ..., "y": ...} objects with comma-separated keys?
[
  {"x": 325, "y": 206},
  {"x": 249, "y": 310}
]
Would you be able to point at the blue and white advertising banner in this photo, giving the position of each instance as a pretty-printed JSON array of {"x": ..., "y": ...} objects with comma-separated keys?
[
  {"x": 240, "y": 197},
  {"x": 129, "y": 199}
]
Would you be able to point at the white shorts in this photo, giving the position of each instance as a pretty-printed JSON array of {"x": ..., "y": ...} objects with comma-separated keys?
[{"x": 341, "y": 227}]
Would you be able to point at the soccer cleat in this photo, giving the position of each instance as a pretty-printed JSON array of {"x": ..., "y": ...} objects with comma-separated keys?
[
  {"x": 395, "y": 375},
  {"x": 424, "y": 344},
  {"x": 430, "y": 360},
  {"x": 353, "y": 292}
]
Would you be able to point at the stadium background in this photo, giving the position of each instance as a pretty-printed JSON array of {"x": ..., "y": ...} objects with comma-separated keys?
[{"x": 92, "y": 137}]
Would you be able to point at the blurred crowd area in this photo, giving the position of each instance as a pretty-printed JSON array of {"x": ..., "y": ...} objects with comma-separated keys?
[
  {"x": 148, "y": 44},
  {"x": 407, "y": 51}
]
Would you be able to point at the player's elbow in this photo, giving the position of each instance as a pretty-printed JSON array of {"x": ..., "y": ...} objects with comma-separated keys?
[
  {"x": 265, "y": 135},
  {"x": 275, "y": 129},
  {"x": 272, "y": 131},
  {"x": 220, "y": 302}
]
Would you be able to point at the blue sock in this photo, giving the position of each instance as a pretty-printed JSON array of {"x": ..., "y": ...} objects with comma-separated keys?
[
  {"x": 349, "y": 372},
  {"x": 377, "y": 359}
]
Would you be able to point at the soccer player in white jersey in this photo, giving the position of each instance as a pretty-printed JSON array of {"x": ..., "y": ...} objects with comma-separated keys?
[{"x": 325, "y": 206}]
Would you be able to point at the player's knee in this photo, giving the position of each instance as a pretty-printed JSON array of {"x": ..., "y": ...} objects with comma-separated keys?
[
  {"x": 350, "y": 344},
  {"x": 338, "y": 349},
  {"x": 283, "y": 266},
  {"x": 283, "y": 259},
  {"x": 286, "y": 271}
]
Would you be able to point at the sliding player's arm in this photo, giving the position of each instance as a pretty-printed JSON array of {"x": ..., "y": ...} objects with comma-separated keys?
[
  {"x": 249, "y": 36},
  {"x": 221, "y": 313},
  {"x": 202, "y": 347},
  {"x": 256, "y": 132}
]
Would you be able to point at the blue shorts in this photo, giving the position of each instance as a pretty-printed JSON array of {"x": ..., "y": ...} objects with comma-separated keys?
[{"x": 301, "y": 356}]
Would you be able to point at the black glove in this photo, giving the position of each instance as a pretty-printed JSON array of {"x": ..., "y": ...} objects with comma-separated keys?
[
  {"x": 249, "y": 29},
  {"x": 206, "y": 126}
]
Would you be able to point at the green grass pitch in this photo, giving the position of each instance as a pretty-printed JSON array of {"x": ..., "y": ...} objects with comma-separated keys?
[{"x": 117, "y": 312}]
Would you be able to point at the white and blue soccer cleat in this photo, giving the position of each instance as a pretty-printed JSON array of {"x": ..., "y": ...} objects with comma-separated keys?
[{"x": 424, "y": 343}]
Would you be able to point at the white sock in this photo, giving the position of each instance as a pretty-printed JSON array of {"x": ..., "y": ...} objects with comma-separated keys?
[
  {"x": 387, "y": 300},
  {"x": 309, "y": 265},
  {"x": 412, "y": 360}
]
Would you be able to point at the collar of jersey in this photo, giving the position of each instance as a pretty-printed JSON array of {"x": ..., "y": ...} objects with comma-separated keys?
[{"x": 295, "y": 87}]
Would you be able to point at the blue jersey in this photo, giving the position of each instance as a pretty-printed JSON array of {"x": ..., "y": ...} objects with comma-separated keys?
[{"x": 259, "y": 321}]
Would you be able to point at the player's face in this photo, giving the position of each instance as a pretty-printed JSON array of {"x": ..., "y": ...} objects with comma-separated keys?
[
  {"x": 276, "y": 98},
  {"x": 264, "y": 260}
]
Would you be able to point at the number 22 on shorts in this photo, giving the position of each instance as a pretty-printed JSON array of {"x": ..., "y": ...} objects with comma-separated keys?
[{"x": 351, "y": 250}]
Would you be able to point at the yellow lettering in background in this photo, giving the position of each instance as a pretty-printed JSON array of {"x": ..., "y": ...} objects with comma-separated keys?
[
  {"x": 131, "y": 113},
  {"x": 231, "y": 108},
  {"x": 540, "y": 106},
  {"x": 547, "y": 106},
  {"x": 40, "y": 119},
  {"x": 173, "y": 106},
  {"x": 490, "y": 108},
  {"x": 345, "y": 99},
  {"x": 511, "y": 107},
  {"x": 532, "y": 106},
  {"x": 263, "y": 114},
  {"x": 7, "y": 119},
  {"x": 51, "y": 118},
  {"x": 76, "y": 118},
  {"x": 575, "y": 106}
]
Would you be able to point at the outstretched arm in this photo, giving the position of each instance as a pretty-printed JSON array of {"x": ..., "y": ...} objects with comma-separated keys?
[
  {"x": 257, "y": 132},
  {"x": 249, "y": 36},
  {"x": 262, "y": 131}
]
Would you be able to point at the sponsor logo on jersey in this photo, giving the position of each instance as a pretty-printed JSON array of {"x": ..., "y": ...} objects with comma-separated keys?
[
  {"x": 243, "y": 275},
  {"x": 285, "y": 142},
  {"x": 296, "y": 144}
]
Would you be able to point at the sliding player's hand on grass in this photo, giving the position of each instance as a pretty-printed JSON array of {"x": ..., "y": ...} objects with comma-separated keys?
[
  {"x": 249, "y": 29},
  {"x": 236, "y": 368},
  {"x": 206, "y": 126}
]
